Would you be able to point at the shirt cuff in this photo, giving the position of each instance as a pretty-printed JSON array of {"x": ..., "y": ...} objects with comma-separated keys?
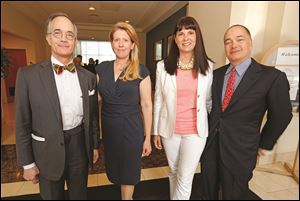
[{"x": 26, "y": 167}]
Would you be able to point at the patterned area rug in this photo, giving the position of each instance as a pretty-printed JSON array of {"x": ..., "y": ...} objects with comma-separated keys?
[{"x": 11, "y": 172}]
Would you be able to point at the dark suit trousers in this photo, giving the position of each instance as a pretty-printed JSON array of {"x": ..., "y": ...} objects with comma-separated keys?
[
  {"x": 209, "y": 177},
  {"x": 217, "y": 182},
  {"x": 233, "y": 187},
  {"x": 75, "y": 173}
]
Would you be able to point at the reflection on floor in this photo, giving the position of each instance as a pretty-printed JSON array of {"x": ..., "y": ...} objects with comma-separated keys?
[{"x": 266, "y": 185}]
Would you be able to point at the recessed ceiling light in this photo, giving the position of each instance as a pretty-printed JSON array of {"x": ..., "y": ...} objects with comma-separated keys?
[
  {"x": 92, "y": 8},
  {"x": 127, "y": 21}
]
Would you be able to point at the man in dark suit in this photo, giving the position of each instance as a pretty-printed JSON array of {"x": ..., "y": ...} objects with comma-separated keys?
[
  {"x": 56, "y": 116},
  {"x": 242, "y": 92},
  {"x": 91, "y": 66}
]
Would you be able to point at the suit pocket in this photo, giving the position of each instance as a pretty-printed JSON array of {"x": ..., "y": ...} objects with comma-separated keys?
[
  {"x": 91, "y": 92},
  {"x": 37, "y": 138}
]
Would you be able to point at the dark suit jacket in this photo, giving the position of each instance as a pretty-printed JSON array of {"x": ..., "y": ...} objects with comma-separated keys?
[
  {"x": 37, "y": 111},
  {"x": 261, "y": 89}
]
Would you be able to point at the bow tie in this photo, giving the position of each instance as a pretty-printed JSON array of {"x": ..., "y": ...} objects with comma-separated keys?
[{"x": 59, "y": 69}]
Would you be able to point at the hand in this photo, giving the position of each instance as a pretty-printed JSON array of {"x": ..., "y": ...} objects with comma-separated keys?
[
  {"x": 146, "y": 148},
  {"x": 262, "y": 152},
  {"x": 32, "y": 174},
  {"x": 157, "y": 142},
  {"x": 95, "y": 156}
]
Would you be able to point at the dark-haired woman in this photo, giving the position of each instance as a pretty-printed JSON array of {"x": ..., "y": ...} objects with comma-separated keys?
[{"x": 181, "y": 106}]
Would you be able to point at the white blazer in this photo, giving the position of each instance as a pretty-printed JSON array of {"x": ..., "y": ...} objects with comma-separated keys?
[{"x": 165, "y": 102}]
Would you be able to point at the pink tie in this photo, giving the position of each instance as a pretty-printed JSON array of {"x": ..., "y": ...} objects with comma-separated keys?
[{"x": 229, "y": 89}]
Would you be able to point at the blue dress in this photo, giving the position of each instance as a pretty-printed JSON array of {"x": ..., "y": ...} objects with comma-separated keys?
[{"x": 122, "y": 125}]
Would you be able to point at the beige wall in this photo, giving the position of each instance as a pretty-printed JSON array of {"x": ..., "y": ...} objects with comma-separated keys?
[
  {"x": 214, "y": 19},
  {"x": 15, "y": 42},
  {"x": 273, "y": 24},
  {"x": 290, "y": 22},
  {"x": 269, "y": 22},
  {"x": 16, "y": 24},
  {"x": 253, "y": 15}
]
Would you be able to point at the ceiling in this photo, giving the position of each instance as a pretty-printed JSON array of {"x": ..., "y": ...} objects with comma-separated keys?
[{"x": 144, "y": 15}]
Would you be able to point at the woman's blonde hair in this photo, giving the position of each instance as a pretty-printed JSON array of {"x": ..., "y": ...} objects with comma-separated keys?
[{"x": 132, "y": 70}]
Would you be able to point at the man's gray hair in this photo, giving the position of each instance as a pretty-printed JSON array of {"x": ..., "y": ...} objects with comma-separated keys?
[{"x": 55, "y": 15}]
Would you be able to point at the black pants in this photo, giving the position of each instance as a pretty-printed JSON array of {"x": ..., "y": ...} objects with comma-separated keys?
[
  {"x": 75, "y": 173},
  {"x": 233, "y": 187},
  {"x": 217, "y": 181}
]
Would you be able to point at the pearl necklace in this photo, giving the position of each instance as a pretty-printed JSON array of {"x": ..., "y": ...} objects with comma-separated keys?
[{"x": 185, "y": 66}]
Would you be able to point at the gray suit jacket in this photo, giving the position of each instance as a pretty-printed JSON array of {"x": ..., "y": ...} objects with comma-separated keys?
[{"x": 37, "y": 111}]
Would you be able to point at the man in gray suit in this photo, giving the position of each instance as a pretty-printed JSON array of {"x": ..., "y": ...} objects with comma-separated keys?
[{"x": 56, "y": 111}]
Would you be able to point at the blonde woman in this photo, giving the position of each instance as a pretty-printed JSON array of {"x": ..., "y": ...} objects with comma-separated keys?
[
  {"x": 124, "y": 86},
  {"x": 182, "y": 104}
]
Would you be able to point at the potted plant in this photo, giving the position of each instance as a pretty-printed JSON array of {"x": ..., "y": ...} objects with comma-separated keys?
[
  {"x": 4, "y": 63},
  {"x": 4, "y": 72}
]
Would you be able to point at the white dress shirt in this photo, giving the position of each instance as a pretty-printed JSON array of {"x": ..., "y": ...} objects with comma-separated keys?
[{"x": 70, "y": 97}]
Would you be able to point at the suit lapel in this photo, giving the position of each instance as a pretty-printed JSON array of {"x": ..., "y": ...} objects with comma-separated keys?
[
  {"x": 84, "y": 89},
  {"x": 250, "y": 77},
  {"x": 47, "y": 78}
]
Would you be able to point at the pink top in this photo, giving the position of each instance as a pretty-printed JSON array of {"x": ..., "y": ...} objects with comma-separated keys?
[{"x": 186, "y": 114}]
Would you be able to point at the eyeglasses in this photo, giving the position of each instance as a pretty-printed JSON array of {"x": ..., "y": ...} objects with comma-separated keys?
[{"x": 59, "y": 34}]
